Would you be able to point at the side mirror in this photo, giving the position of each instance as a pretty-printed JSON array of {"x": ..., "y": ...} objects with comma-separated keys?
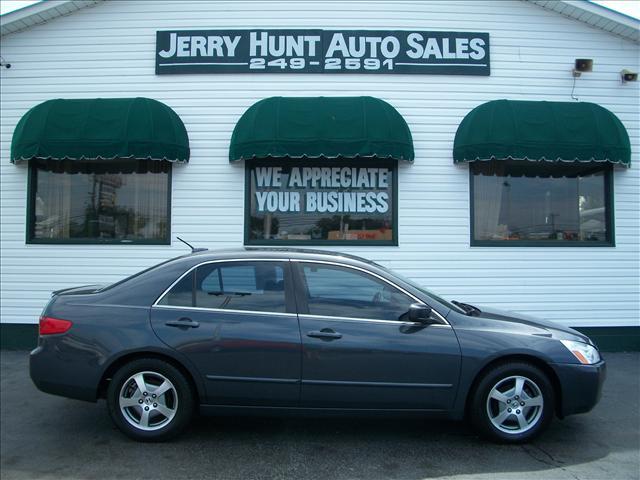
[{"x": 420, "y": 313}]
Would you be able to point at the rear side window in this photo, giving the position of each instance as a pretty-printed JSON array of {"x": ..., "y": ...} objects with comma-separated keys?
[
  {"x": 181, "y": 294},
  {"x": 253, "y": 286}
]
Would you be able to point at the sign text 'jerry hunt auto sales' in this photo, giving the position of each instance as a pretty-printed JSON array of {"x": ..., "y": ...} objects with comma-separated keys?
[{"x": 322, "y": 51}]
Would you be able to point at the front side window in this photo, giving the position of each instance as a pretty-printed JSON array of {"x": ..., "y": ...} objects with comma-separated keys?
[
  {"x": 343, "y": 292},
  {"x": 528, "y": 203},
  {"x": 293, "y": 202},
  {"x": 124, "y": 201}
]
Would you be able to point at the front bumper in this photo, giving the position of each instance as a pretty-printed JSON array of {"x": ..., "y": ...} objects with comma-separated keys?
[{"x": 581, "y": 386}]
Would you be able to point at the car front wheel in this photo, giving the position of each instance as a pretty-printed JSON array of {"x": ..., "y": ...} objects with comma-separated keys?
[
  {"x": 513, "y": 403},
  {"x": 150, "y": 400}
]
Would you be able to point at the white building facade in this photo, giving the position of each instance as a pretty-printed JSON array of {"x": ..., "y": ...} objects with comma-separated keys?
[{"x": 109, "y": 50}]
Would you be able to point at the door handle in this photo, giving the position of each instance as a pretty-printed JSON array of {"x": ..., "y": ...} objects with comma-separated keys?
[
  {"x": 182, "y": 323},
  {"x": 325, "y": 333}
]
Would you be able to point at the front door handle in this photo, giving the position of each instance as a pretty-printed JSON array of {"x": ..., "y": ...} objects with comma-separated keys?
[
  {"x": 325, "y": 333},
  {"x": 182, "y": 323}
]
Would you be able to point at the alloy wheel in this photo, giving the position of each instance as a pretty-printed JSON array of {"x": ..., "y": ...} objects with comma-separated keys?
[
  {"x": 148, "y": 400},
  {"x": 515, "y": 404}
]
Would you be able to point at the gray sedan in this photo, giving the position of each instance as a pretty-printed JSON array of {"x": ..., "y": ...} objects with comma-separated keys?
[{"x": 284, "y": 331}]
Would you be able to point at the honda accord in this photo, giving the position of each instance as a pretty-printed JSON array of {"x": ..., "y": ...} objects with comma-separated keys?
[{"x": 281, "y": 331}]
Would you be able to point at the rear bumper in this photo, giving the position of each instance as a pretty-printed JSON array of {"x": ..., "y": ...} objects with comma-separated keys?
[
  {"x": 581, "y": 386},
  {"x": 51, "y": 374}
]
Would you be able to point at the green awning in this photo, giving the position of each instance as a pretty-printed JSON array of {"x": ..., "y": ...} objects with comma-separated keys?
[
  {"x": 100, "y": 129},
  {"x": 542, "y": 131},
  {"x": 321, "y": 127}
]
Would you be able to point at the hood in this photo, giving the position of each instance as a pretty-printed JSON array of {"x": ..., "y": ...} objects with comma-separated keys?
[{"x": 500, "y": 320}]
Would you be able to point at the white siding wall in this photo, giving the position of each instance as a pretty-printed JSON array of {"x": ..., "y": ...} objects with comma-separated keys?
[{"x": 108, "y": 51}]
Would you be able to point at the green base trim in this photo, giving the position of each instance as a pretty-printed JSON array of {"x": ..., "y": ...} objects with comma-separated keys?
[
  {"x": 20, "y": 336},
  {"x": 614, "y": 339}
]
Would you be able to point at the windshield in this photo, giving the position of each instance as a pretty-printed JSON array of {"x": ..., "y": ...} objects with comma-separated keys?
[{"x": 417, "y": 286}]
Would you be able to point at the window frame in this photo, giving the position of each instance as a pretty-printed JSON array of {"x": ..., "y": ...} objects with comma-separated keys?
[
  {"x": 30, "y": 218},
  {"x": 372, "y": 162},
  {"x": 610, "y": 219}
]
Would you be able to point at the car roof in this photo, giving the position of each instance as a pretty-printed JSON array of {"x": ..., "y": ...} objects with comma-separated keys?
[{"x": 276, "y": 252}]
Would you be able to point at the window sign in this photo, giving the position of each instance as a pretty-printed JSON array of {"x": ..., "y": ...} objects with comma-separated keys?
[
  {"x": 290, "y": 202},
  {"x": 322, "y": 51}
]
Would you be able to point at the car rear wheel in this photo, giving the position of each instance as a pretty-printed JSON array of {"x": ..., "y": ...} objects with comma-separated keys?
[
  {"x": 513, "y": 403},
  {"x": 150, "y": 400}
]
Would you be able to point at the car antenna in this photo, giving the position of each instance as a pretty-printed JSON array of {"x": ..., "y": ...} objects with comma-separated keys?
[{"x": 193, "y": 249}]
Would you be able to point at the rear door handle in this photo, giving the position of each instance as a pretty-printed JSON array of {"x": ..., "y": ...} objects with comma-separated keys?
[
  {"x": 182, "y": 323},
  {"x": 325, "y": 333}
]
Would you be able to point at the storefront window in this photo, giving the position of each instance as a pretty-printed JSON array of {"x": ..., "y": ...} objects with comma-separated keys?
[
  {"x": 321, "y": 202},
  {"x": 525, "y": 203},
  {"x": 99, "y": 201}
]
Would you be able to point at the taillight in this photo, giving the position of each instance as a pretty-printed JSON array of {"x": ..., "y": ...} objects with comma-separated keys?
[{"x": 51, "y": 326}]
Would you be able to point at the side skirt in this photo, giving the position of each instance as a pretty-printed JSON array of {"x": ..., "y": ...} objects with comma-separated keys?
[{"x": 248, "y": 410}]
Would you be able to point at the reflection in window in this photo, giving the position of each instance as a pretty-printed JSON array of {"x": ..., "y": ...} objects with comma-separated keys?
[
  {"x": 100, "y": 200},
  {"x": 540, "y": 202}
]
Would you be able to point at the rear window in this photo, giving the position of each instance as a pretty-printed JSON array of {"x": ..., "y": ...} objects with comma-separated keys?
[{"x": 135, "y": 275}]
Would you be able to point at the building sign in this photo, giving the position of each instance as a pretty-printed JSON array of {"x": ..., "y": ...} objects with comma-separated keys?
[
  {"x": 321, "y": 202},
  {"x": 322, "y": 51}
]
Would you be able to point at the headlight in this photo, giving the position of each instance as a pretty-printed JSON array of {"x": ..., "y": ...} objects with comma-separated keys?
[{"x": 586, "y": 354}]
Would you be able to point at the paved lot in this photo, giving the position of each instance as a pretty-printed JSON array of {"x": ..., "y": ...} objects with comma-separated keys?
[{"x": 43, "y": 436}]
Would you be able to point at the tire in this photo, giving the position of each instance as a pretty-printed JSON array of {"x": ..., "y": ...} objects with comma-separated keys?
[
  {"x": 496, "y": 412},
  {"x": 150, "y": 400}
]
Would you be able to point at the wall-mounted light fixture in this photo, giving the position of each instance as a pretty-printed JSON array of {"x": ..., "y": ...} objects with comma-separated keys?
[
  {"x": 4, "y": 64},
  {"x": 628, "y": 76},
  {"x": 582, "y": 65}
]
